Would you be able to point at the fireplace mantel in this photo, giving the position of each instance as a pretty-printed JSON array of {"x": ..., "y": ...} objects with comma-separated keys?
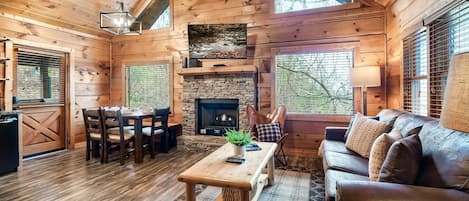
[{"x": 217, "y": 70}]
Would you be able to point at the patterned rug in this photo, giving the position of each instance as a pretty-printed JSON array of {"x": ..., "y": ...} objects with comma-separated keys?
[
  {"x": 301, "y": 180},
  {"x": 291, "y": 183}
]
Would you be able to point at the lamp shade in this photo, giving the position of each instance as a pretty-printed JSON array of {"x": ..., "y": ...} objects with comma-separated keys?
[
  {"x": 369, "y": 76},
  {"x": 455, "y": 112}
]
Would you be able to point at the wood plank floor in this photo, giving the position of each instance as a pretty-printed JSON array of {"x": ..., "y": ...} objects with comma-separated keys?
[{"x": 67, "y": 176}]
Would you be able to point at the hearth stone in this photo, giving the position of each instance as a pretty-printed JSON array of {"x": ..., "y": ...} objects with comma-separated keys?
[{"x": 233, "y": 86}]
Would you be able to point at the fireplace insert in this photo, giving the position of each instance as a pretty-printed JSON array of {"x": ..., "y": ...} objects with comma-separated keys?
[{"x": 215, "y": 115}]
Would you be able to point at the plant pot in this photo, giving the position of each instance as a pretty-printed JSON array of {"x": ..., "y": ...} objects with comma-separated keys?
[{"x": 239, "y": 151}]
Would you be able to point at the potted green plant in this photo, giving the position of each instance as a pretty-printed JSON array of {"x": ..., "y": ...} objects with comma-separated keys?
[{"x": 239, "y": 139}]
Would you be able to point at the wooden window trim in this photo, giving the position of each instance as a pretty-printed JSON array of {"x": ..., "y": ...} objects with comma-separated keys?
[
  {"x": 159, "y": 60},
  {"x": 348, "y": 46},
  {"x": 354, "y": 5}
]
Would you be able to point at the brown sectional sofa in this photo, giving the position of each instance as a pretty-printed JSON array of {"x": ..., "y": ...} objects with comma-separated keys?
[{"x": 443, "y": 174}]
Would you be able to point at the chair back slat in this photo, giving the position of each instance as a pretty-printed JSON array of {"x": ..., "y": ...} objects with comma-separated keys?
[
  {"x": 92, "y": 120},
  {"x": 111, "y": 119}
]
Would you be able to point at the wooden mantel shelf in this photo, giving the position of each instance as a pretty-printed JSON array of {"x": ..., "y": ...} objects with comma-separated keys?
[{"x": 217, "y": 70}]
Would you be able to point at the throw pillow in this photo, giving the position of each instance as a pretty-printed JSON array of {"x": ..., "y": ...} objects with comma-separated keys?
[
  {"x": 347, "y": 132},
  {"x": 402, "y": 161},
  {"x": 379, "y": 151},
  {"x": 364, "y": 133},
  {"x": 269, "y": 132}
]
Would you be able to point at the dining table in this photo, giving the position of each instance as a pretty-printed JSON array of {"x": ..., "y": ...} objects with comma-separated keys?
[{"x": 137, "y": 117}]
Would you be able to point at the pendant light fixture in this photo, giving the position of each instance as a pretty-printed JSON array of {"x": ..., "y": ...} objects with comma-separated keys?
[{"x": 120, "y": 22}]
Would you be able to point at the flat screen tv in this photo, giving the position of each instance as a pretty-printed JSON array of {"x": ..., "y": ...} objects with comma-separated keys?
[{"x": 217, "y": 41}]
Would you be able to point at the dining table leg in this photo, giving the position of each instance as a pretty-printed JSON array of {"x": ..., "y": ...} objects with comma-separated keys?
[{"x": 138, "y": 141}]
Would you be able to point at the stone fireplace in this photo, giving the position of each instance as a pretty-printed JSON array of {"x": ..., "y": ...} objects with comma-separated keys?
[{"x": 230, "y": 88}]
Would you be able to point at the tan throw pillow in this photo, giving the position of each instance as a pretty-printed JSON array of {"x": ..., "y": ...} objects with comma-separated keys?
[
  {"x": 379, "y": 150},
  {"x": 364, "y": 133}
]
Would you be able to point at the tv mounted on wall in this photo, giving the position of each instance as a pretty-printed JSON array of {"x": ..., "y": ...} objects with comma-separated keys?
[{"x": 217, "y": 41}]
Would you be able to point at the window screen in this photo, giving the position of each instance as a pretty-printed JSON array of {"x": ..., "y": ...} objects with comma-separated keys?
[
  {"x": 40, "y": 76},
  {"x": 314, "y": 82},
  {"x": 148, "y": 86},
  {"x": 415, "y": 73},
  {"x": 448, "y": 35},
  {"x": 284, "y": 6}
]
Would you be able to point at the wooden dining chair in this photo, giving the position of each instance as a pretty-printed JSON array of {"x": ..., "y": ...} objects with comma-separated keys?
[
  {"x": 115, "y": 134},
  {"x": 158, "y": 131},
  {"x": 94, "y": 133}
]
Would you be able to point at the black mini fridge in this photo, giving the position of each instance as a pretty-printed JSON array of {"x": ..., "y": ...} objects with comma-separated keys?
[{"x": 9, "y": 152}]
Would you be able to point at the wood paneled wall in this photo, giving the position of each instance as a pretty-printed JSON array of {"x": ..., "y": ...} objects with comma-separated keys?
[
  {"x": 92, "y": 60},
  {"x": 401, "y": 17},
  {"x": 363, "y": 25}
]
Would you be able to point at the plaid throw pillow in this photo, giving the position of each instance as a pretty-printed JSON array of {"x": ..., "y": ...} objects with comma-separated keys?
[{"x": 269, "y": 132}]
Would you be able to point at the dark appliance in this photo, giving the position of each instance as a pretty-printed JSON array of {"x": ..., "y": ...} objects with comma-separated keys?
[
  {"x": 9, "y": 151},
  {"x": 215, "y": 115}
]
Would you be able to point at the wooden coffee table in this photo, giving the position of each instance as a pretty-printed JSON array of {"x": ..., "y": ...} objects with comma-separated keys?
[{"x": 238, "y": 181}]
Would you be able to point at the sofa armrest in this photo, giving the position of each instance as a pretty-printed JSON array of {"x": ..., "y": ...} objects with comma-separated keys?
[
  {"x": 380, "y": 191},
  {"x": 335, "y": 133}
]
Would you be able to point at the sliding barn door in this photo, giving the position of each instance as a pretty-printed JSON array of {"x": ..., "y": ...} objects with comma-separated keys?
[{"x": 40, "y": 92}]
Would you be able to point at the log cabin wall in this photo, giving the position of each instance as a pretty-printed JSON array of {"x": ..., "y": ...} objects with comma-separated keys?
[
  {"x": 363, "y": 26},
  {"x": 92, "y": 60},
  {"x": 402, "y": 16}
]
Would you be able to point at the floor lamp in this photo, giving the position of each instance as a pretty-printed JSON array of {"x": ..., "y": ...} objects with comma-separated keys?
[
  {"x": 455, "y": 112},
  {"x": 365, "y": 77}
]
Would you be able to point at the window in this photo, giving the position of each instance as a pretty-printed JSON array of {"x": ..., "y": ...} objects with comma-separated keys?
[
  {"x": 148, "y": 86},
  {"x": 285, "y": 6},
  {"x": 39, "y": 77},
  {"x": 314, "y": 82},
  {"x": 163, "y": 20},
  {"x": 448, "y": 35},
  {"x": 415, "y": 73}
]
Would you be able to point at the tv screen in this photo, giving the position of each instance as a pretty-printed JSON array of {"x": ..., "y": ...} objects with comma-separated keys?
[{"x": 217, "y": 41}]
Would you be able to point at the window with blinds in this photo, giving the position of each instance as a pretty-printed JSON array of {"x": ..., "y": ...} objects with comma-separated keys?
[
  {"x": 40, "y": 76},
  {"x": 148, "y": 86},
  {"x": 416, "y": 73},
  {"x": 448, "y": 35},
  {"x": 314, "y": 82}
]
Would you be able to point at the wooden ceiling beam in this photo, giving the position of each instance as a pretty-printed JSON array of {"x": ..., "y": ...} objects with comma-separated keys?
[
  {"x": 371, "y": 3},
  {"x": 139, "y": 7}
]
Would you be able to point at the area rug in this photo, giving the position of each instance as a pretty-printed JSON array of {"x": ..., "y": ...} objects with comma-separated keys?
[{"x": 289, "y": 185}]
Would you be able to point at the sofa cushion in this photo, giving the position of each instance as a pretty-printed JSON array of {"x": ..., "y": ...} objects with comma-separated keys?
[
  {"x": 410, "y": 124},
  {"x": 336, "y": 146},
  {"x": 402, "y": 161},
  {"x": 331, "y": 178},
  {"x": 364, "y": 132},
  {"x": 445, "y": 158},
  {"x": 379, "y": 151},
  {"x": 389, "y": 115},
  {"x": 345, "y": 162}
]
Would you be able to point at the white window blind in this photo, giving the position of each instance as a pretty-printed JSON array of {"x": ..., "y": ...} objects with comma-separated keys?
[
  {"x": 314, "y": 82},
  {"x": 40, "y": 76},
  {"x": 448, "y": 35},
  {"x": 415, "y": 73},
  {"x": 148, "y": 86},
  {"x": 284, "y": 6}
]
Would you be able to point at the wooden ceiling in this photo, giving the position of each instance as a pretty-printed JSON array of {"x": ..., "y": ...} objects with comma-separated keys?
[{"x": 83, "y": 15}]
